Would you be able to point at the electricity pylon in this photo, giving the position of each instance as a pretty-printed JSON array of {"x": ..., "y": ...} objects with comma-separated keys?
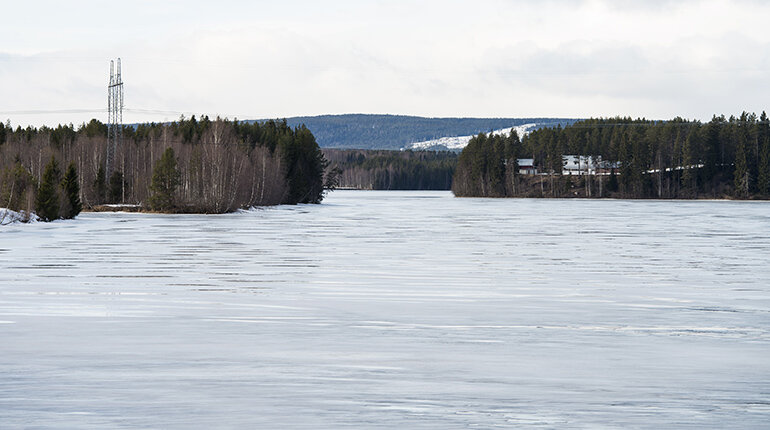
[{"x": 115, "y": 113}]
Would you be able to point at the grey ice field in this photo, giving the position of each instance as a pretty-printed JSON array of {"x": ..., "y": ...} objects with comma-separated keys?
[{"x": 391, "y": 310}]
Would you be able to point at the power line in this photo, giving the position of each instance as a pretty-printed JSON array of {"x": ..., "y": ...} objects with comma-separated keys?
[
  {"x": 125, "y": 109},
  {"x": 50, "y": 111}
]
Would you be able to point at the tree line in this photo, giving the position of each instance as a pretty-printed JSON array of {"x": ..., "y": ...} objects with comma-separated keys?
[
  {"x": 392, "y": 170},
  {"x": 189, "y": 165},
  {"x": 725, "y": 157}
]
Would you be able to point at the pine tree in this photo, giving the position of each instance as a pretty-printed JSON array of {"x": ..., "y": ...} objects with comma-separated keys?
[
  {"x": 165, "y": 179},
  {"x": 47, "y": 200},
  {"x": 71, "y": 192}
]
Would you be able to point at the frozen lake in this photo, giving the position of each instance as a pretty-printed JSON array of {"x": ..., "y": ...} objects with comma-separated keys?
[{"x": 391, "y": 310}]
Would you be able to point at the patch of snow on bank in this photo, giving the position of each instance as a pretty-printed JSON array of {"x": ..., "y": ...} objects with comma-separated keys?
[
  {"x": 459, "y": 142},
  {"x": 8, "y": 216}
]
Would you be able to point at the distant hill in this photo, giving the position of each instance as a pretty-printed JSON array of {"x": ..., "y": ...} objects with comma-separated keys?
[{"x": 362, "y": 131}]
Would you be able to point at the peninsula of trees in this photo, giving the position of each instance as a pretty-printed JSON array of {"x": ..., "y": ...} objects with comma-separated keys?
[
  {"x": 623, "y": 158},
  {"x": 201, "y": 166}
]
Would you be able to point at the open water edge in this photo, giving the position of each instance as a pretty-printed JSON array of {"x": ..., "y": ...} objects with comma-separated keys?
[{"x": 391, "y": 310}]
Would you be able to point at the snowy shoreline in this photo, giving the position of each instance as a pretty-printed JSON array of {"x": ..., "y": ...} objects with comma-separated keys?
[{"x": 8, "y": 217}]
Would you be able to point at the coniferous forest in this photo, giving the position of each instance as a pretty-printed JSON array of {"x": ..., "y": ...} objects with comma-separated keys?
[
  {"x": 205, "y": 166},
  {"x": 392, "y": 170},
  {"x": 723, "y": 158}
]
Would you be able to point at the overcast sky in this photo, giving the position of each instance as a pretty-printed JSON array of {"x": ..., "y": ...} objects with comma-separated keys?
[{"x": 654, "y": 59}]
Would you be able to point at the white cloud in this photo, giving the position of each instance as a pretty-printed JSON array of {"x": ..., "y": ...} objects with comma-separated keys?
[{"x": 655, "y": 59}]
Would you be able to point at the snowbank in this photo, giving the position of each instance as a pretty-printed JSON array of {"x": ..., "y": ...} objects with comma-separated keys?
[{"x": 8, "y": 216}]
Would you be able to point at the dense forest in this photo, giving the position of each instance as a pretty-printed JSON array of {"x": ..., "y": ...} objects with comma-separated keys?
[
  {"x": 206, "y": 166},
  {"x": 392, "y": 170},
  {"x": 360, "y": 131},
  {"x": 723, "y": 158}
]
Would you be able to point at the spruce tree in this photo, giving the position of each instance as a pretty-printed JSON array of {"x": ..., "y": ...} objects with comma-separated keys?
[
  {"x": 165, "y": 179},
  {"x": 115, "y": 191},
  {"x": 741, "y": 174},
  {"x": 612, "y": 183},
  {"x": 100, "y": 185},
  {"x": 71, "y": 192},
  {"x": 689, "y": 178},
  {"x": 47, "y": 199},
  {"x": 305, "y": 164},
  {"x": 763, "y": 181}
]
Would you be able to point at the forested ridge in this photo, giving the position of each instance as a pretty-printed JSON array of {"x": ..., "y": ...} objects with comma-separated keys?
[
  {"x": 366, "y": 131},
  {"x": 190, "y": 165},
  {"x": 392, "y": 170},
  {"x": 723, "y": 158}
]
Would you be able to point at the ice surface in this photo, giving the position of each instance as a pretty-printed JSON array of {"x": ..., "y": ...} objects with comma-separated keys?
[{"x": 391, "y": 310}]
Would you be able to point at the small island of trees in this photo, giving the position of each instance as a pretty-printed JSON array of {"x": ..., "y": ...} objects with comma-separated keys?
[{"x": 196, "y": 166}]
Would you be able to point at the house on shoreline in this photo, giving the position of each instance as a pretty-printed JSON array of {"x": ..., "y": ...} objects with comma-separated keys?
[
  {"x": 572, "y": 165},
  {"x": 526, "y": 166},
  {"x": 588, "y": 165}
]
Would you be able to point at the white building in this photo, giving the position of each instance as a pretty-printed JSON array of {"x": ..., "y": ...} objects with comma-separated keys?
[{"x": 580, "y": 164}]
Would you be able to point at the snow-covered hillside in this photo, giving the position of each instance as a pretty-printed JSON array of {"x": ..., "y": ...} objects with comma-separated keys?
[{"x": 459, "y": 142}]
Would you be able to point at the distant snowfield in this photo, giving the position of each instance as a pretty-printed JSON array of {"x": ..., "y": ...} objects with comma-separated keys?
[{"x": 460, "y": 142}]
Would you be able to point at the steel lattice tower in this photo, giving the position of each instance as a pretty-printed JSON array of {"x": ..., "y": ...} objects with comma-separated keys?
[{"x": 115, "y": 114}]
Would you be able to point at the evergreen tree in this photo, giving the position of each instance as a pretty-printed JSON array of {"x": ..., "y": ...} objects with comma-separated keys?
[
  {"x": 332, "y": 178},
  {"x": 741, "y": 175},
  {"x": 165, "y": 179},
  {"x": 94, "y": 128},
  {"x": 305, "y": 165},
  {"x": 689, "y": 161},
  {"x": 100, "y": 186},
  {"x": 626, "y": 168},
  {"x": 612, "y": 183},
  {"x": 763, "y": 180},
  {"x": 71, "y": 192},
  {"x": 115, "y": 194},
  {"x": 711, "y": 151},
  {"x": 496, "y": 166},
  {"x": 47, "y": 199},
  {"x": 763, "y": 159}
]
